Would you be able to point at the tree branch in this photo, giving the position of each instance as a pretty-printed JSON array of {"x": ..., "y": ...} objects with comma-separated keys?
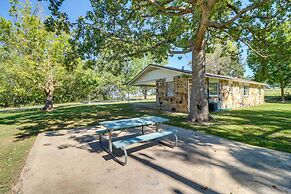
[
  {"x": 232, "y": 7},
  {"x": 221, "y": 25},
  {"x": 170, "y": 10},
  {"x": 252, "y": 49},
  {"x": 248, "y": 45},
  {"x": 142, "y": 50},
  {"x": 172, "y": 52}
]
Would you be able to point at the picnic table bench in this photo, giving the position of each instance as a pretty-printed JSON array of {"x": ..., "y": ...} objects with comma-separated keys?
[{"x": 123, "y": 124}]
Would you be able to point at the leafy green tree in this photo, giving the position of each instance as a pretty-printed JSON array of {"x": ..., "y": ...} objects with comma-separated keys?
[
  {"x": 273, "y": 64},
  {"x": 131, "y": 28},
  {"x": 32, "y": 57},
  {"x": 224, "y": 60},
  {"x": 80, "y": 84}
]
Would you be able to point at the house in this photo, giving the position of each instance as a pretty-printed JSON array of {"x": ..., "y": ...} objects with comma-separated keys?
[{"x": 173, "y": 89}]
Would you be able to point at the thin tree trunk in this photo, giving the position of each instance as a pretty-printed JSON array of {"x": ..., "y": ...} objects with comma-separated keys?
[
  {"x": 49, "y": 91},
  {"x": 198, "y": 101},
  {"x": 145, "y": 93},
  {"x": 282, "y": 92},
  {"x": 49, "y": 102}
]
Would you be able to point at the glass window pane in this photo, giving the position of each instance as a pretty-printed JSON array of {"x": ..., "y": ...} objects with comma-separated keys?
[{"x": 213, "y": 89}]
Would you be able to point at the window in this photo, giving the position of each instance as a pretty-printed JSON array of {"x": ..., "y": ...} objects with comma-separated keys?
[
  {"x": 246, "y": 90},
  {"x": 170, "y": 88},
  {"x": 213, "y": 88}
]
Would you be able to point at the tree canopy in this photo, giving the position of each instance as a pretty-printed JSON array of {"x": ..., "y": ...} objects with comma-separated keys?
[
  {"x": 102, "y": 47},
  {"x": 273, "y": 65},
  {"x": 224, "y": 60},
  {"x": 36, "y": 63},
  {"x": 127, "y": 29},
  {"x": 32, "y": 58}
]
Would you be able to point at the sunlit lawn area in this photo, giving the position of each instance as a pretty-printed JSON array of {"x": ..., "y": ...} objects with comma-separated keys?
[
  {"x": 267, "y": 125},
  {"x": 276, "y": 92},
  {"x": 272, "y": 95}
]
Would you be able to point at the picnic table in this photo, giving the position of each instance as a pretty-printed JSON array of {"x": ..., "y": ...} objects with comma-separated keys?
[{"x": 123, "y": 124}]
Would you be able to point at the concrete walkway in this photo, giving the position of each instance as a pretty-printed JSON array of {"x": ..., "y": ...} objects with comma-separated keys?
[{"x": 72, "y": 162}]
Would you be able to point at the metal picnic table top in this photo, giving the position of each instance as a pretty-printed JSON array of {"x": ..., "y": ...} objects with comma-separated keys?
[{"x": 132, "y": 122}]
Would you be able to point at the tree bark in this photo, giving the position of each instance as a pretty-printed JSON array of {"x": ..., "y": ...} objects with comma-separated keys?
[
  {"x": 199, "y": 111},
  {"x": 282, "y": 92},
  {"x": 198, "y": 101},
  {"x": 145, "y": 93},
  {"x": 49, "y": 91}
]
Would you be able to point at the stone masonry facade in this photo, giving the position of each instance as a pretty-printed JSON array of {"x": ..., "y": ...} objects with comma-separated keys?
[{"x": 230, "y": 94}]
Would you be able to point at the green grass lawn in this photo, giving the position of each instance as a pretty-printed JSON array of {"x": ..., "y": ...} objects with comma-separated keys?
[
  {"x": 267, "y": 125},
  {"x": 276, "y": 92}
]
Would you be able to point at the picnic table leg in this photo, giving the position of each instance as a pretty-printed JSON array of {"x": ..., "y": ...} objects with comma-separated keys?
[
  {"x": 110, "y": 141},
  {"x": 110, "y": 151},
  {"x": 157, "y": 127},
  {"x": 125, "y": 156},
  {"x": 170, "y": 145}
]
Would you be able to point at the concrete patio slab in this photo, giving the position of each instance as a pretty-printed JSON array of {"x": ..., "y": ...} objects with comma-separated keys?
[{"x": 71, "y": 161}]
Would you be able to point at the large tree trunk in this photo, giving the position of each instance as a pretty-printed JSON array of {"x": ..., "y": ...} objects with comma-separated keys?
[
  {"x": 49, "y": 91},
  {"x": 282, "y": 92},
  {"x": 199, "y": 111}
]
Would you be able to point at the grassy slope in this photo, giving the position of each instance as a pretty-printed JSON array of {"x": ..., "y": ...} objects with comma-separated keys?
[{"x": 266, "y": 125}]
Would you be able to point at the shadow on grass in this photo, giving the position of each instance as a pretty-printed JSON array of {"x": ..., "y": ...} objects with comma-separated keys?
[
  {"x": 264, "y": 127},
  {"x": 33, "y": 122}
]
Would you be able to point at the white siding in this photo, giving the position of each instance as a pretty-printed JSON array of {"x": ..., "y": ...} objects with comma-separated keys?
[{"x": 152, "y": 76}]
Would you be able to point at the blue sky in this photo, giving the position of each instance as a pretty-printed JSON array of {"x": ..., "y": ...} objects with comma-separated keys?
[{"x": 76, "y": 8}]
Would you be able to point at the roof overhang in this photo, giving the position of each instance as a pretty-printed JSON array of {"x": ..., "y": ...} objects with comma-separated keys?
[{"x": 151, "y": 73}]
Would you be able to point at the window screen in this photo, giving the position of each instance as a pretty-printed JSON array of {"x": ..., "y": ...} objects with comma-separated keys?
[
  {"x": 170, "y": 88},
  {"x": 213, "y": 88}
]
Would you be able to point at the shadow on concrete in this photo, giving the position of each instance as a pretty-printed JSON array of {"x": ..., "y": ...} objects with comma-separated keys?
[
  {"x": 176, "y": 176},
  {"x": 253, "y": 167},
  {"x": 260, "y": 165}
]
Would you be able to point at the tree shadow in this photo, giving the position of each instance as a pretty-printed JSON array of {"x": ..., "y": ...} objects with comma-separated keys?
[
  {"x": 32, "y": 122},
  {"x": 94, "y": 147},
  {"x": 176, "y": 176},
  {"x": 253, "y": 159},
  {"x": 252, "y": 167},
  {"x": 266, "y": 128}
]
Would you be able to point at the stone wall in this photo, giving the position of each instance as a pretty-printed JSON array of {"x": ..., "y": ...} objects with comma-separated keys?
[
  {"x": 255, "y": 97},
  {"x": 230, "y": 94},
  {"x": 181, "y": 93},
  {"x": 178, "y": 102}
]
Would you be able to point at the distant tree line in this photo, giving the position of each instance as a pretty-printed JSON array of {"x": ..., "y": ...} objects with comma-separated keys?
[{"x": 95, "y": 56}]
